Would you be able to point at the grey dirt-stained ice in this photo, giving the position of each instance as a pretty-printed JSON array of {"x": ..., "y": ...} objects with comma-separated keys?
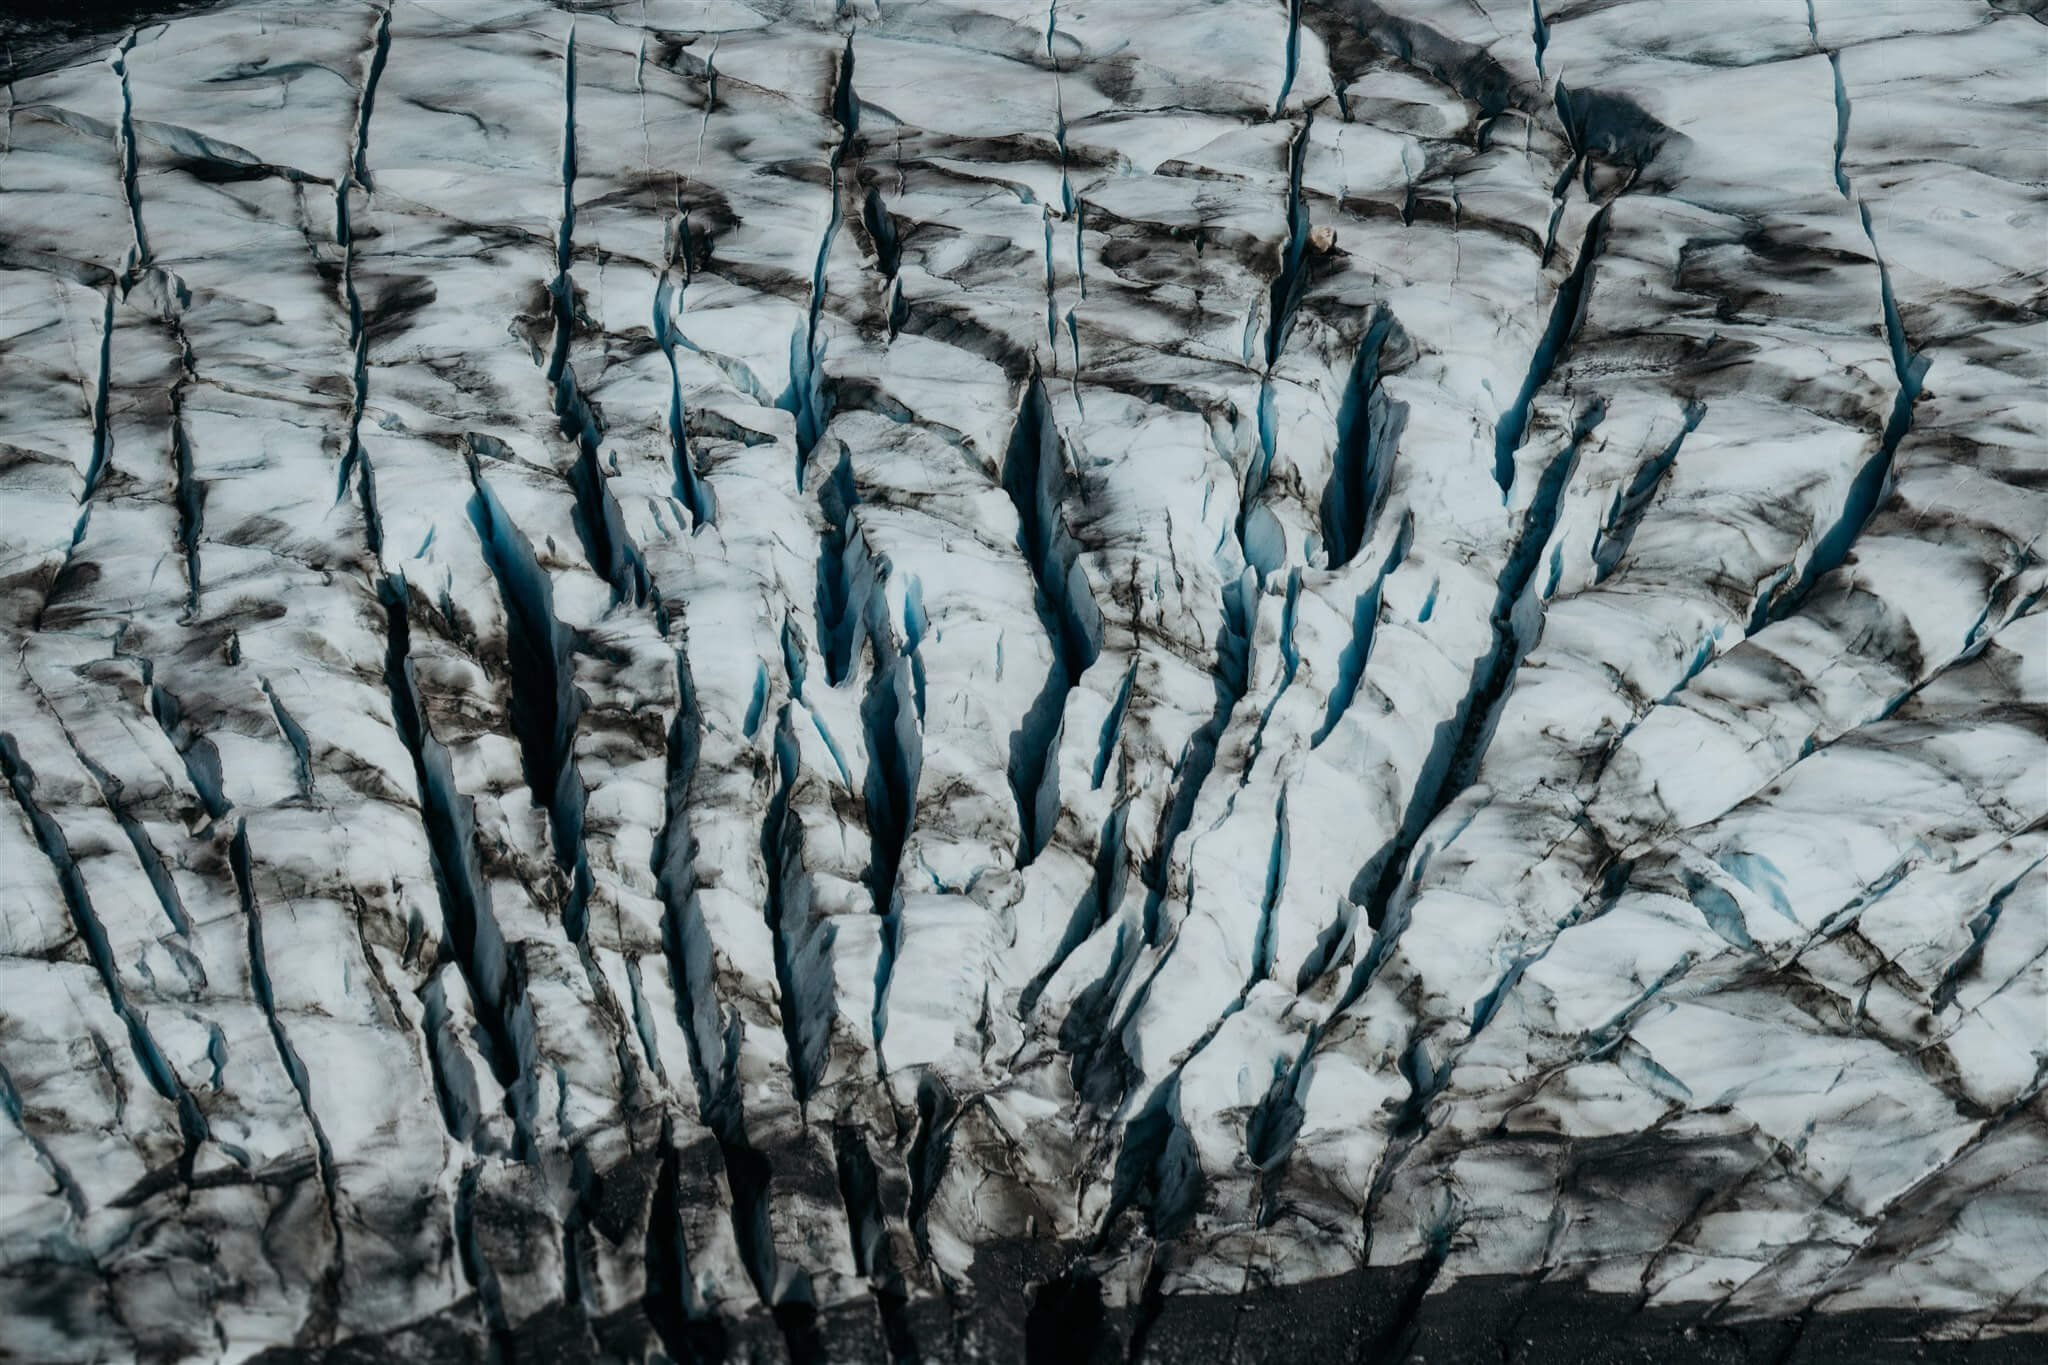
[{"x": 967, "y": 680}]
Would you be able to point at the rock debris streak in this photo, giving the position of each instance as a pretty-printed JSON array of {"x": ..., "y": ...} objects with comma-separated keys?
[{"x": 1117, "y": 680}]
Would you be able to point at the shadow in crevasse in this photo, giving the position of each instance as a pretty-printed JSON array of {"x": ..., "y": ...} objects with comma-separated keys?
[{"x": 43, "y": 35}]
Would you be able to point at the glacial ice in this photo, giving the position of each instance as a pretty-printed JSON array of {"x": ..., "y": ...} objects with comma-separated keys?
[{"x": 1115, "y": 679}]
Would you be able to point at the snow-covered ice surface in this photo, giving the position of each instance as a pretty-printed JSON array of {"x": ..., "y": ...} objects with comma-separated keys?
[{"x": 1127, "y": 679}]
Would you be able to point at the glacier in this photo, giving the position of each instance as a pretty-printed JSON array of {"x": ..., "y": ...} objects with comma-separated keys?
[{"x": 784, "y": 680}]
